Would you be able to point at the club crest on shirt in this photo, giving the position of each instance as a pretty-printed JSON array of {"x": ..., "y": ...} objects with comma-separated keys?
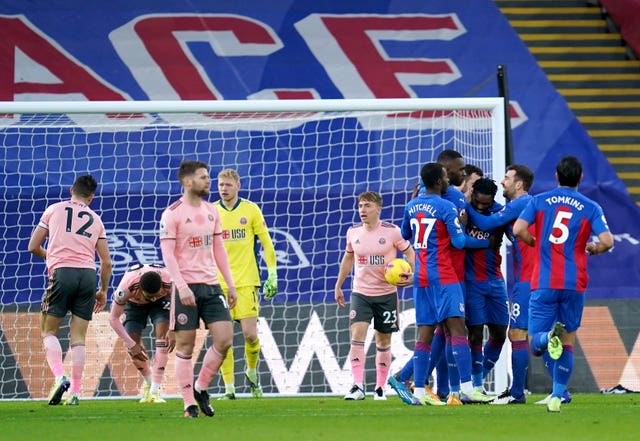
[
  {"x": 243, "y": 221},
  {"x": 381, "y": 241},
  {"x": 210, "y": 217},
  {"x": 118, "y": 295}
]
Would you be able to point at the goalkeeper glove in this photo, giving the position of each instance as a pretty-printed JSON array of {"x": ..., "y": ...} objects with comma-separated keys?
[{"x": 270, "y": 287}]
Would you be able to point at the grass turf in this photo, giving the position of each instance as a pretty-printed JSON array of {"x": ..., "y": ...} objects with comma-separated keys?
[{"x": 588, "y": 417}]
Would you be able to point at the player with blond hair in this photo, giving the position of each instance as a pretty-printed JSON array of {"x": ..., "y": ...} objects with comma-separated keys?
[
  {"x": 371, "y": 244},
  {"x": 242, "y": 224}
]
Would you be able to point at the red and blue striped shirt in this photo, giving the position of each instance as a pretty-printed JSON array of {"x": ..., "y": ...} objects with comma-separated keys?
[
  {"x": 563, "y": 221},
  {"x": 430, "y": 223}
]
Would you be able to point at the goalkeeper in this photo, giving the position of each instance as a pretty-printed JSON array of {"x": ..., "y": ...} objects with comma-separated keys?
[{"x": 242, "y": 221}]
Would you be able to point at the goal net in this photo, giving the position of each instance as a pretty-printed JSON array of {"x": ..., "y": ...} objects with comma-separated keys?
[{"x": 303, "y": 162}]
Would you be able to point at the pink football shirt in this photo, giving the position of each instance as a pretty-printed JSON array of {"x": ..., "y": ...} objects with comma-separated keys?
[
  {"x": 373, "y": 249},
  {"x": 193, "y": 229},
  {"x": 74, "y": 230},
  {"x": 129, "y": 286}
]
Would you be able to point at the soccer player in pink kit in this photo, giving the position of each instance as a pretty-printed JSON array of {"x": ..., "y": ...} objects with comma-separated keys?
[
  {"x": 193, "y": 251},
  {"x": 371, "y": 244},
  {"x": 563, "y": 222},
  {"x": 75, "y": 234},
  {"x": 143, "y": 294}
]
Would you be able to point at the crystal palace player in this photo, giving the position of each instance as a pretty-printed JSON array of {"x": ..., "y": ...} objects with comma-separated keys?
[
  {"x": 75, "y": 234},
  {"x": 370, "y": 246},
  {"x": 563, "y": 222},
  {"x": 486, "y": 292},
  {"x": 193, "y": 251},
  {"x": 143, "y": 294},
  {"x": 515, "y": 187},
  {"x": 432, "y": 224},
  {"x": 442, "y": 359}
]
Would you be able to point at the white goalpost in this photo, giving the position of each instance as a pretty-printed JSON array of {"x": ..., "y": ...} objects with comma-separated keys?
[{"x": 302, "y": 161}]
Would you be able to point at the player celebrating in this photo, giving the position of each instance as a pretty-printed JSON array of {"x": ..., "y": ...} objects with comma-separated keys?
[
  {"x": 472, "y": 174},
  {"x": 563, "y": 221},
  {"x": 242, "y": 222},
  {"x": 442, "y": 360},
  {"x": 432, "y": 223},
  {"x": 193, "y": 251},
  {"x": 142, "y": 294},
  {"x": 371, "y": 244},
  {"x": 486, "y": 292},
  {"x": 75, "y": 234},
  {"x": 515, "y": 187}
]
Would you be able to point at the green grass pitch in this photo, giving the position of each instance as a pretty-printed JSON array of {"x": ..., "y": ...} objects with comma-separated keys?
[{"x": 588, "y": 417}]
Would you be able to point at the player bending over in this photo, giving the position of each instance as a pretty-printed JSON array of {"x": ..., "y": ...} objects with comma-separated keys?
[{"x": 143, "y": 294}]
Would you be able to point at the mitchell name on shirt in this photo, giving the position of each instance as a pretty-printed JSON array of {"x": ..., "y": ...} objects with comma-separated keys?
[{"x": 423, "y": 207}]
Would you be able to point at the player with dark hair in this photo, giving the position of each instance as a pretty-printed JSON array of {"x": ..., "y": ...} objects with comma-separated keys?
[
  {"x": 243, "y": 224},
  {"x": 563, "y": 221},
  {"x": 193, "y": 251},
  {"x": 143, "y": 294},
  {"x": 472, "y": 174},
  {"x": 432, "y": 224},
  {"x": 516, "y": 183},
  {"x": 75, "y": 234},
  {"x": 486, "y": 292},
  {"x": 371, "y": 244},
  {"x": 442, "y": 359}
]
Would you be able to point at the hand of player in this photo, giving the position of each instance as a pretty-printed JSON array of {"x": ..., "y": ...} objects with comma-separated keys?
[
  {"x": 270, "y": 287},
  {"x": 232, "y": 297},
  {"x": 463, "y": 218},
  {"x": 138, "y": 352},
  {"x": 406, "y": 279},
  {"x": 415, "y": 190},
  {"x": 339, "y": 296},
  {"x": 170, "y": 337},
  {"x": 592, "y": 248},
  {"x": 186, "y": 297},
  {"x": 101, "y": 300}
]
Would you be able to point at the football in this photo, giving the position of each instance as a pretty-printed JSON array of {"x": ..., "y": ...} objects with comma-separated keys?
[{"x": 394, "y": 271}]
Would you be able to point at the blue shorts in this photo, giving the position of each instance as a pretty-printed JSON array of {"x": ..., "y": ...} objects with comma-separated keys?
[
  {"x": 434, "y": 304},
  {"x": 548, "y": 306},
  {"x": 519, "y": 305},
  {"x": 487, "y": 303}
]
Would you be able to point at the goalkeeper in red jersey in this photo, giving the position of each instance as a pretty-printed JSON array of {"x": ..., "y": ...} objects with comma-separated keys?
[{"x": 242, "y": 223}]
